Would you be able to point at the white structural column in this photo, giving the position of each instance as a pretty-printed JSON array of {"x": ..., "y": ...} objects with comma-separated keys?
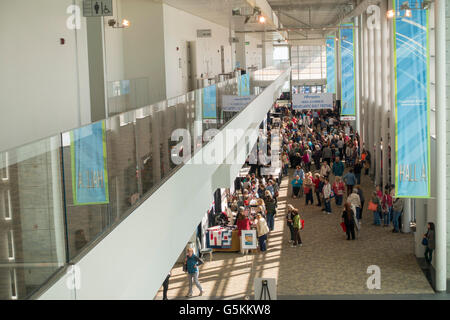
[
  {"x": 385, "y": 89},
  {"x": 356, "y": 43},
  {"x": 366, "y": 80},
  {"x": 392, "y": 90},
  {"x": 441, "y": 116},
  {"x": 371, "y": 103},
  {"x": 378, "y": 101}
]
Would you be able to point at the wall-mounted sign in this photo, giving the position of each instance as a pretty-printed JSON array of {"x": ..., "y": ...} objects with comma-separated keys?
[
  {"x": 247, "y": 43},
  {"x": 97, "y": 8},
  {"x": 348, "y": 118},
  {"x": 312, "y": 101},
  {"x": 204, "y": 33}
]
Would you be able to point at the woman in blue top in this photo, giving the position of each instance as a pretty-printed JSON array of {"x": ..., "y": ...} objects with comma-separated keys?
[
  {"x": 296, "y": 186},
  {"x": 191, "y": 264}
]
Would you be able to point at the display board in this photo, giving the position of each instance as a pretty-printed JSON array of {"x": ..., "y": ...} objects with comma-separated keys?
[
  {"x": 248, "y": 239},
  {"x": 235, "y": 103},
  {"x": 89, "y": 170},
  {"x": 302, "y": 101},
  {"x": 348, "y": 85},
  {"x": 244, "y": 85},
  {"x": 412, "y": 104}
]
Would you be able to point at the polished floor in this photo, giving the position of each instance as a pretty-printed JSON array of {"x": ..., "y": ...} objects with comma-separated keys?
[{"x": 326, "y": 266}]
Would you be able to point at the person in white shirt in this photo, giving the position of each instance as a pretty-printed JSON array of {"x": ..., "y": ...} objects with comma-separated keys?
[
  {"x": 325, "y": 169},
  {"x": 327, "y": 195}
]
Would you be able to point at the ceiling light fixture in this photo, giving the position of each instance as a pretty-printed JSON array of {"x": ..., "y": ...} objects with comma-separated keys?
[
  {"x": 261, "y": 19},
  {"x": 390, "y": 14}
]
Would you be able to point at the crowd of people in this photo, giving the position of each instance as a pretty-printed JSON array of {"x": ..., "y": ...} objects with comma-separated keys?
[{"x": 328, "y": 163}]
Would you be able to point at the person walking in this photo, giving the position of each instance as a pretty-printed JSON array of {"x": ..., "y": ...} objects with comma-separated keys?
[
  {"x": 297, "y": 227},
  {"x": 338, "y": 189},
  {"x": 354, "y": 200},
  {"x": 338, "y": 167},
  {"x": 349, "y": 220},
  {"x": 270, "y": 209},
  {"x": 191, "y": 264},
  {"x": 296, "y": 186},
  {"x": 166, "y": 286},
  {"x": 325, "y": 169},
  {"x": 350, "y": 181},
  {"x": 262, "y": 230},
  {"x": 386, "y": 206},
  {"x": 290, "y": 222},
  {"x": 357, "y": 168},
  {"x": 327, "y": 195},
  {"x": 316, "y": 181},
  {"x": 376, "y": 213},
  {"x": 397, "y": 207},
  {"x": 308, "y": 189},
  {"x": 362, "y": 200},
  {"x": 430, "y": 242}
]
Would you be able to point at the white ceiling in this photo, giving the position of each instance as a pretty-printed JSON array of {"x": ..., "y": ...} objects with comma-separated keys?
[{"x": 310, "y": 15}]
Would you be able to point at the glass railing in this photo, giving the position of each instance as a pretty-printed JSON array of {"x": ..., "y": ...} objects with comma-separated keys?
[{"x": 61, "y": 195}]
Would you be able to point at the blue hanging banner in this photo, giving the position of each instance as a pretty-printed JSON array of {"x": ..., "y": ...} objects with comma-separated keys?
[
  {"x": 348, "y": 86},
  {"x": 88, "y": 157},
  {"x": 210, "y": 102},
  {"x": 412, "y": 104},
  {"x": 244, "y": 85},
  {"x": 331, "y": 64}
]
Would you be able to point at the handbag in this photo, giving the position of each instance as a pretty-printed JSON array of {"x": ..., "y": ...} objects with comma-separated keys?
[
  {"x": 302, "y": 222},
  {"x": 372, "y": 206},
  {"x": 344, "y": 228},
  {"x": 306, "y": 189},
  {"x": 425, "y": 241}
]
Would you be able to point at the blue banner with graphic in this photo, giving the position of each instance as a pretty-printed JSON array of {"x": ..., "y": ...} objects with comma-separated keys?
[
  {"x": 412, "y": 131},
  {"x": 210, "y": 102},
  {"x": 348, "y": 86},
  {"x": 88, "y": 157},
  {"x": 331, "y": 64},
  {"x": 244, "y": 85}
]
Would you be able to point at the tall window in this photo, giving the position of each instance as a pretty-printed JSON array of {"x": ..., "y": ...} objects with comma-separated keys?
[{"x": 308, "y": 62}]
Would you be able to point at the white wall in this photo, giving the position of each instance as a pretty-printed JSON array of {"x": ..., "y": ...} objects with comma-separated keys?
[
  {"x": 253, "y": 54},
  {"x": 143, "y": 45},
  {"x": 38, "y": 77},
  {"x": 181, "y": 27}
]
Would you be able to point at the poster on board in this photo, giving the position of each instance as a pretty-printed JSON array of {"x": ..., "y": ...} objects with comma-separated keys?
[
  {"x": 302, "y": 101},
  {"x": 248, "y": 239},
  {"x": 348, "y": 84}
]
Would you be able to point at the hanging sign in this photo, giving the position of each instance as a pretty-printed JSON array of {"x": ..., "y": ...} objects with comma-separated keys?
[
  {"x": 331, "y": 64},
  {"x": 348, "y": 85},
  {"x": 244, "y": 85},
  {"x": 89, "y": 174},
  {"x": 210, "y": 104},
  {"x": 312, "y": 101},
  {"x": 412, "y": 104}
]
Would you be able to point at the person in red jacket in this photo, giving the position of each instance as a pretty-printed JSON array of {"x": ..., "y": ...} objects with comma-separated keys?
[
  {"x": 243, "y": 223},
  {"x": 386, "y": 205},
  {"x": 316, "y": 181}
]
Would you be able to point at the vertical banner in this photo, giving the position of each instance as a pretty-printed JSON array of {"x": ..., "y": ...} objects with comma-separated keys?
[
  {"x": 244, "y": 85},
  {"x": 331, "y": 64},
  {"x": 88, "y": 157},
  {"x": 348, "y": 85},
  {"x": 412, "y": 132},
  {"x": 210, "y": 102}
]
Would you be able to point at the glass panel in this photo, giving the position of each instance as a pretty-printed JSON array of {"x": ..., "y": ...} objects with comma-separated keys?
[{"x": 31, "y": 217}]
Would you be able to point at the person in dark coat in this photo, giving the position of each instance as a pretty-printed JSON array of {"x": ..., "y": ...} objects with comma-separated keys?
[
  {"x": 431, "y": 244},
  {"x": 349, "y": 221}
]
